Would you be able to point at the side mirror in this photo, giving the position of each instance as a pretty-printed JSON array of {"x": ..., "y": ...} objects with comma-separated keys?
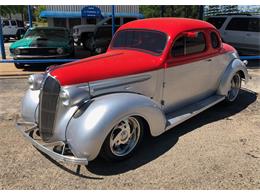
[{"x": 191, "y": 35}]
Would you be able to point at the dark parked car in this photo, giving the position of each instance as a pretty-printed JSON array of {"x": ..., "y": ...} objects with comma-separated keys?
[{"x": 43, "y": 43}]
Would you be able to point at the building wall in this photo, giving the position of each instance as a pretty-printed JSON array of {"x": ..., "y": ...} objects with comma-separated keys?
[
  {"x": 104, "y": 8},
  {"x": 67, "y": 22}
]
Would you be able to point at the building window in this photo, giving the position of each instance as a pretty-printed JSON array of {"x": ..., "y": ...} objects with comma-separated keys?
[
  {"x": 74, "y": 22},
  {"x": 59, "y": 22}
]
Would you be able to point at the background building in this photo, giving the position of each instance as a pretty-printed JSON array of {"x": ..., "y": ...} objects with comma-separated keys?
[{"x": 70, "y": 15}]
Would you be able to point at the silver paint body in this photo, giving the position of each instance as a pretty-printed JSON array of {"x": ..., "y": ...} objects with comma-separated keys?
[{"x": 135, "y": 95}]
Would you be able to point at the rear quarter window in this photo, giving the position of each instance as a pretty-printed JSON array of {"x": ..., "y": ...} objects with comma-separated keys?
[
  {"x": 217, "y": 22},
  {"x": 215, "y": 43}
]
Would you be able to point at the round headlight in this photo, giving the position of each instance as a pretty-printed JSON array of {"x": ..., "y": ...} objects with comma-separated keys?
[
  {"x": 60, "y": 50},
  {"x": 35, "y": 81},
  {"x": 65, "y": 97},
  {"x": 17, "y": 51}
]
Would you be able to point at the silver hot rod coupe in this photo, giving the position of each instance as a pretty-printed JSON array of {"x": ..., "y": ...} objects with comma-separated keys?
[{"x": 156, "y": 74}]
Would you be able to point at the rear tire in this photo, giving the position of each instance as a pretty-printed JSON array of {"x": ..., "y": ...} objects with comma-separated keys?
[
  {"x": 123, "y": 140},
  {"x": 19, "y": 66},
  {"x": 234, "y": 89}
]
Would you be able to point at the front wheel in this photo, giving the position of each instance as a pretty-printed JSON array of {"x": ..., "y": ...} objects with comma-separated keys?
[
  {"x": 234, "y": 89},
  {"x": 18, "y": 65},
  {"x": 123, "y": 139}
]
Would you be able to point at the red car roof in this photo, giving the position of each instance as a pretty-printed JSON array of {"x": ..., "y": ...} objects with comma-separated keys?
[{"x": 171, "y": 26}]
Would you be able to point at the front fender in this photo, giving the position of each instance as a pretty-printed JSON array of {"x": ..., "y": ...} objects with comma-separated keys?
[
  {"x": 225, "y": 83},
  {"x": 86, "y": 133},
  {"x": 30, "y": 105}
]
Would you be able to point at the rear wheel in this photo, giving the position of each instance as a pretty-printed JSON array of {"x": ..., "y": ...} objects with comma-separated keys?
[
  {"x": 234, "y": 89},
  {"x": 18, "y": 65},
  {"x": 123, "y": 139}
]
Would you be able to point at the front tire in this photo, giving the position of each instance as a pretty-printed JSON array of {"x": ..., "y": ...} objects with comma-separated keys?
[
  {"x": 123, "y": 140},
  {"x": 18, "y": 65},
  {"x": 234, "y": 89}
]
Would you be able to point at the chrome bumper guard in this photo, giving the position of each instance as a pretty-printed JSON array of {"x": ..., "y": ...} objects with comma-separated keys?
[{"x": 47, "y": 148}]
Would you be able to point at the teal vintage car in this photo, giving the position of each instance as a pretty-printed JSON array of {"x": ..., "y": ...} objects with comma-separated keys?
[{"x": 43, "y": 43}]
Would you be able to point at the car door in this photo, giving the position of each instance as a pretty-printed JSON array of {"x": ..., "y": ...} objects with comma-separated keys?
[
  {"x": 187, "y": 73},
  {"x": 13, "y": 28}
]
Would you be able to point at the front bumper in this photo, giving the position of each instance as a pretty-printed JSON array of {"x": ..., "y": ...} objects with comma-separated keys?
[{"x": 29, "y": 129}]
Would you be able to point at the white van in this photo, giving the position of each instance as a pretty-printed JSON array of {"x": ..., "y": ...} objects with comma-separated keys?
[
  {"x": 12, "y": 29},
  {"x": 240, "y": 31}
]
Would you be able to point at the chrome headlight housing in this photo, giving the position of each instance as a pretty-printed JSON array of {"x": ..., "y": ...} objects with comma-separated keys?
[
  {"x": 35, "y": 81},
  {"x": 17, "y": 51},
  {"x": 60, "y": 50},
  {"x": 74, "y": 95},
  {"x": 65, "y": 97}
]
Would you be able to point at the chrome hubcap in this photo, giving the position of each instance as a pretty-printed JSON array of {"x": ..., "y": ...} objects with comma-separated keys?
[
  {"x": 124, "y": 136},
  {"x": 235, "y": 87}
]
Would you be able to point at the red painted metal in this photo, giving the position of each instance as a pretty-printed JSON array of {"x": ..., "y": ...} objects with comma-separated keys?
[{"x": 111, "y": 64}]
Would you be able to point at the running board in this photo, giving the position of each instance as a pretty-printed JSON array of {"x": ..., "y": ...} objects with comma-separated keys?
[{"x": 189, "y": 111}]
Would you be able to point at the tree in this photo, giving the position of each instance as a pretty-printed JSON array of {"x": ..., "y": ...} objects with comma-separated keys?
[
  {"x": 188, "y": 11},
  {"x": 36, "y": 12}
]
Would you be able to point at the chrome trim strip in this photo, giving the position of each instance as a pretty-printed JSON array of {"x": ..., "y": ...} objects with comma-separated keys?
[
  {"x": 108, "y": 83},
  {"x": 43, "y": 147},
  {"x": 39, "y": 56}
]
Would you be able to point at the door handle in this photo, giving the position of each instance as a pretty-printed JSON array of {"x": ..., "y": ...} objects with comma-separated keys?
[
  {"x": 248, "y": 34},
  {"x": 209, "y": 60}
]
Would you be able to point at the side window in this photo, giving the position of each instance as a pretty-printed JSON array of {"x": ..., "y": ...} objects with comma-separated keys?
[
  {"x": 214, "y": 40},
  {"x": 13, "y": 23},
  {"x": 5, "y": 23},
  {"x": 254, "y": 25},
  {"x": 186, "y": 46},
  {"x": 125, "y": 20},
  {"x": 238, "y": 24},
  {"x": 195, "y": 45},
  {"x": 178, "y": 47}
]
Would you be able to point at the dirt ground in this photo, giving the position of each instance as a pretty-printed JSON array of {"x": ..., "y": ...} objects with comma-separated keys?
[{"x": 218, "y": 149}]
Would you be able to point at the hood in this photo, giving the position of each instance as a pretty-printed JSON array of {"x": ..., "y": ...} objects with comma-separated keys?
[
  {"x": 39, "y": 42},
  {"x": 88, "y": 27},
  {"x": 112, "y": 64}
]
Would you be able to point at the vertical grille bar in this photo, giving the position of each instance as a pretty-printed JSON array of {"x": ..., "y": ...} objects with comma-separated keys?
[{"x": 47, "y": 109}]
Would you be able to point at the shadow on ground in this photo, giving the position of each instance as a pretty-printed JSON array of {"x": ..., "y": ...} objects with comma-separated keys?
[{"x": 152, "y": 148}]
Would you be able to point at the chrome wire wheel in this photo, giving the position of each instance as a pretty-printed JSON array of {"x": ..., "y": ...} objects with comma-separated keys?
[
  {"x": 125, "y": 136},
  {"x": 235, "y": 87}
]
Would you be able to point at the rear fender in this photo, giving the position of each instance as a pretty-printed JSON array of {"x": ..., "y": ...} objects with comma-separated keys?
[
  {"x": 225, "y": 83},
  {"x": 86, "y": 133}
]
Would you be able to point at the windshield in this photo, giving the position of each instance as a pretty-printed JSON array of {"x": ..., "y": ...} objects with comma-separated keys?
[
  {"x": 148, "y": 40},
  {"x": 47, "y": 33}
]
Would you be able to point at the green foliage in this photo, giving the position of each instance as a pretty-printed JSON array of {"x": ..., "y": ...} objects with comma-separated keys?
[
  {"x": 187, "y": 11},
  {"x": 36, "y": 12}
]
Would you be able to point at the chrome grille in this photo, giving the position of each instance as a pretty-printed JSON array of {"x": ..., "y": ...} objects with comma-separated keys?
[{"x": 47, "y": 109}]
